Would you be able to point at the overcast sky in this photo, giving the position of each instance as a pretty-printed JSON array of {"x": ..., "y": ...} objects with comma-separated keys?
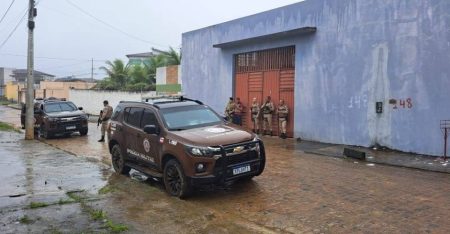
[{"x": 67, "y": 34}]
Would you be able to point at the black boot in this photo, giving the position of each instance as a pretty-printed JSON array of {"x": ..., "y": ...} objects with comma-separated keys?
[
  {"x": 102, "y": 139},
  {"x": 271, "y": 133}
]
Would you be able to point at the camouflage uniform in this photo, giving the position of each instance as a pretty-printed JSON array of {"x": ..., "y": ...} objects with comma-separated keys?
[
  {"x": 267, "y": 110},
  {"x": 255, "y": 111},
  {"x": 229, "y": 110},
  {"x": 283, "y": 113},
  {"x": 106, "y": 115}
]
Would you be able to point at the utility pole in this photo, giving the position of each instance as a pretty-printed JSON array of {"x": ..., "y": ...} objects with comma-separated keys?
[
  {"x": 29, "y": 117},
  {"x": 92, "y": 68}
]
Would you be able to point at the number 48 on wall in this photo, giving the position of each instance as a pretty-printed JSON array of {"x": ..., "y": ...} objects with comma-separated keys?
[{"x": 401, "y": 103}]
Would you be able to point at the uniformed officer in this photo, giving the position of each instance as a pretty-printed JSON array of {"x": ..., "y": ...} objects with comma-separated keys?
[
  {"x": 238, "y": 111},
  {"x": 255, "y": 111},
  {"x": 229, "y": 109},
  {"x": 267, "y": 109},
  {"x": 105, "y": 116},
  {"x": 283, "y": 113}
]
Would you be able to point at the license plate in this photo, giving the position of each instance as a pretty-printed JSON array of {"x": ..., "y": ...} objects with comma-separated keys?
[
  {"x": 240, "y": 170},
  {"x": 71, "y": 127}
]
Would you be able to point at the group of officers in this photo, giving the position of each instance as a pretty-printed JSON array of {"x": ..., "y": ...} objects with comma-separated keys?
[{"x": 235, "y": 110}]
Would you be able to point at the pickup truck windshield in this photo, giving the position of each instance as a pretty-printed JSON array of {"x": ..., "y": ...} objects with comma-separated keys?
[
  {"x": 59, "y": 107},
  {"x": 181, "y": 118}
]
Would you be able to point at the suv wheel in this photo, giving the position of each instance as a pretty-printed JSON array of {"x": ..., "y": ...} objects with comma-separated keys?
[
  {"x": 118, "y": 161},
  {"x": 175, "y": 181},
  {"x": 83, "y": 132},
  {"x": 44, "y": 133}
]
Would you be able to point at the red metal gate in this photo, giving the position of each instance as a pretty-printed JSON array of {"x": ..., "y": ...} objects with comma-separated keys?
[{"x": 266, "y": 73}]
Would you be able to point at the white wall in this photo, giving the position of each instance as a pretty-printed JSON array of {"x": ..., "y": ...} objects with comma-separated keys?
[{"x": 92, "y": 100}]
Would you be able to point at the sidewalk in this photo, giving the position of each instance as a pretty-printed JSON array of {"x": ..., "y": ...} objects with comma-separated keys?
[{"x": 387, "y": 157}]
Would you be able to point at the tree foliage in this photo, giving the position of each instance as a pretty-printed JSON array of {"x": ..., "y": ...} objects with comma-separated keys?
[{"x": 139, "y": 77}]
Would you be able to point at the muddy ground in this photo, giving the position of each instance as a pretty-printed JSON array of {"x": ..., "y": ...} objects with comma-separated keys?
[{"x": 298, "y": 193}]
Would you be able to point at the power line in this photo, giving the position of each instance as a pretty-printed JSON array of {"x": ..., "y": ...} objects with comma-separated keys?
[
  {"x": 113, "y": 27},
  {"x": 15, "y": 28},
  {"x": 7, "y": 10},
  {"x": 13, "y": 31}
]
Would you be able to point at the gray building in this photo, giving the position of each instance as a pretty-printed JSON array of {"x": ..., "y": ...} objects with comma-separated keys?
[
  {"x": 141, "y": 58},
  {"x": 20, "y": 75},
  {"x": 356, "y": 72}
]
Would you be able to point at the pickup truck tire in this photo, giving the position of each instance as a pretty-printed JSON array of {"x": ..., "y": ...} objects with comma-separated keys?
[
  {"x": 118, "y": 161},
  {"x": 175, "y": 181},
  {"x": 44, "y": 133},
  {"x": 83, "y": 132}
]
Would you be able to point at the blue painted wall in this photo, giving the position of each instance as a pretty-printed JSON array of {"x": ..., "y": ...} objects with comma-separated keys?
[{"x": 364, "y": 51}]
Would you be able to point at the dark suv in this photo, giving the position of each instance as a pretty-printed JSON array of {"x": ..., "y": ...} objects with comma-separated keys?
[
  {"x": 183, "y": 142},
  {"x": 56, "y": 117}
]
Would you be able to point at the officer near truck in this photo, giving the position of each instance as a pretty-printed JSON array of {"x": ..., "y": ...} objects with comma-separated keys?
[
  {"x": 229, "y": 110},
  {"x": 267, "y": 110},
  {"x": 104, "y": 117},
  {"x": 283, "y": 113}
]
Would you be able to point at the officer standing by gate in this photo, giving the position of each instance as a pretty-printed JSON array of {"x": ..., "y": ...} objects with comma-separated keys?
[
  {"x": 229, "y": 110},
  {"x": 283, "y": 113},
  {"x": 238, "y": 111},
  {"x": 255, "y": 111},
  {"x": 105, "y": 116},
  {"x": 267, "y": 110}
]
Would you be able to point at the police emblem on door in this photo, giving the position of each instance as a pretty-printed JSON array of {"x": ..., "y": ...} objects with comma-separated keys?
[{"x": 146, "y": 145}]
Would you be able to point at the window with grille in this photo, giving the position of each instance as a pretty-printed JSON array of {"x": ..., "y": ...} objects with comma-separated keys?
[{"x": 265, "y": 60}]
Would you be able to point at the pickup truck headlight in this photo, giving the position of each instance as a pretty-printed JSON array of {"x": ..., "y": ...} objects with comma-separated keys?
[
  {"x": 52, "y": 119},
  {"x": 202, "y": 151}
]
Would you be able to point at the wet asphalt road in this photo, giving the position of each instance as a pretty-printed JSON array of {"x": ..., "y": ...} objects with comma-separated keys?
[{"x": 298, "y": 193}]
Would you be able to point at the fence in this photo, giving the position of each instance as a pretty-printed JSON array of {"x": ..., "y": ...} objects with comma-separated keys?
[{"x": 92, "y": 100}]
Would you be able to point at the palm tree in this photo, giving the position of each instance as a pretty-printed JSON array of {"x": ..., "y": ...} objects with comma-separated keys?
[
  {"x": 172, "y": 57},
  {"x": 152, "y": 64},
  {"x": 118, "y": 72}
]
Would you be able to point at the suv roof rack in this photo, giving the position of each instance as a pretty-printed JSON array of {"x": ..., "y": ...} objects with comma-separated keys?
[{"x": 170, "y": 98}]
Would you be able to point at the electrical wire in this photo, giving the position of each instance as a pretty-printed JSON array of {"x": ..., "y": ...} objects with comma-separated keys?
[
  {"x": 17, "y": 25},
  {"x": 113, "y": 27},
  {"x": 7, "y": 10}
]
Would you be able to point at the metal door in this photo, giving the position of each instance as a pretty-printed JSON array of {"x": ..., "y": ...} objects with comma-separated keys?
[{"x": 266, "y": 73}]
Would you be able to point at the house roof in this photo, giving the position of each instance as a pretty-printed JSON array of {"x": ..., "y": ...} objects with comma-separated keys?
[
  {"x": 72, "y": 79},
  {"x": 152, "y": 53},
  {"x": 24, "y": 71}
]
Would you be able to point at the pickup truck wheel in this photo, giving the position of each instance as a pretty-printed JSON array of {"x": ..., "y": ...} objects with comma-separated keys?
[
  {"x": 83, "y": 132},
  {"x": 262, "y": 165},
  {"x": 44, "y": 133},
  {"x": 118, "y": 161},
  {"x": 175, "y": 181}
]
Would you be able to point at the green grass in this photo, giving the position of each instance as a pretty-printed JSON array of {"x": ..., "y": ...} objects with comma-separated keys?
[
  {"x": 75, "y": 196},
  {"x": 7, "y": 127},
  {"x": 97, "y": 214},
  {"x": 35, "y": 205},
  {"x": 5, "y": 102},
  {"x": 25, "y": 220},
  {"x": 62, "y": 202},
  {"x": 116, "y": 227},
  {"x": 106, "y": 189}
]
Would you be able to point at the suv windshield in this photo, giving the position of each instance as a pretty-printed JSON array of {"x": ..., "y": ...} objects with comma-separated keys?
[
  {"x": 59, "y": 107},
  {"x": 180, "y": 118}
]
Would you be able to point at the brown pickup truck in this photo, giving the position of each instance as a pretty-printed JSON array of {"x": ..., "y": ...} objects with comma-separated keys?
[{"x": 183, "y": 142}]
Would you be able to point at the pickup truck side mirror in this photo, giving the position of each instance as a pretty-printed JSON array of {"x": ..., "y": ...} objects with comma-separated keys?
[
  {"x": 151, "y": 129},
  {"x": 80, "y": 108},
  {"x": 37, "y": 111}
]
